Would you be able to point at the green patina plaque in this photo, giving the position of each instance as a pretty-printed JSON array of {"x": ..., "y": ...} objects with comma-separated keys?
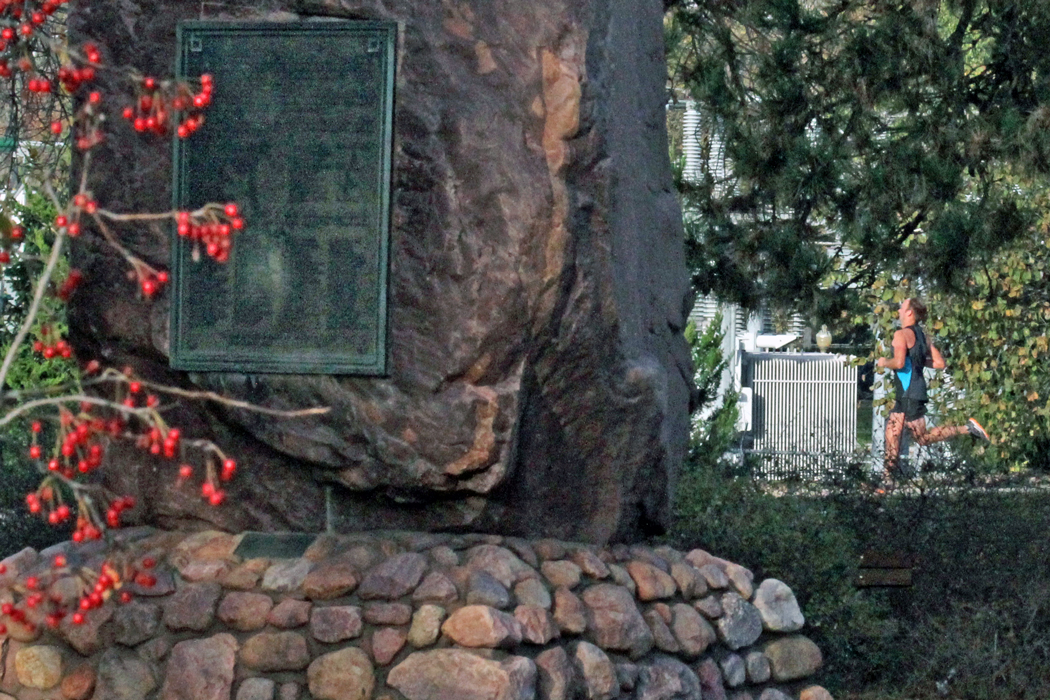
[
  {"x": 274, "y": 545},
  {"x": 299, "y": 135}
]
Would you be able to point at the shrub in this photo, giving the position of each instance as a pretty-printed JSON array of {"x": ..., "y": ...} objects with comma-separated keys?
[
  {"x": 714, "y": 427},
  {"x": 18, "y": 527},
  {"x": 974, "y": 624},
  {"x": 801, "y": 540}
]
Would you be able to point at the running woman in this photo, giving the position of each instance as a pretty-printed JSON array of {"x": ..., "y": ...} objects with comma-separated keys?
[{"x": 912, "y": 351}]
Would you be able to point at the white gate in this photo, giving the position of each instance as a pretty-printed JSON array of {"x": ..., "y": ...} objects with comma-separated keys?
[{"x": 804, "y": 419}]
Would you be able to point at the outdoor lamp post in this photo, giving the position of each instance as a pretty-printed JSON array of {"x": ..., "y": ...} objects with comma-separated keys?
[{"x": 824, "y": 338}]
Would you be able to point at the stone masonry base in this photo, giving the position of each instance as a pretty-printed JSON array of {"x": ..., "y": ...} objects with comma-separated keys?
[{"x": 407, "y": 616}]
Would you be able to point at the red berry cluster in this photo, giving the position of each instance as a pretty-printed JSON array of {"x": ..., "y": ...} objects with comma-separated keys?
[
  {"x": 159, "y": 104},
  {"x": 39, "y": 85},
  {"x": 89, "y": 118},
  {"x": 79, "y": 449},
  {"x": 15, "y": 9},
  {"x": 86, "y": 530},
  {"x": 156, "y": 441},
  {"x": 210, "y": 491},
  {"x": 70, "y": 218},
  {"x": 79, "y": 445},
  {"x": 8, "y": 242},
  {"x": 81, "y": 436},
  {"x": 212, "y": 494},
  {"x": 54, "y": 618},
  {"x": 45, "y": 499},
  {"x": 51, "y": 345},
  {"x": 150, "y": 279},
  {"x": 72, "y": 77},
  {"x": 25, "y": 19},
  {"x": 19, "y": 20},
  {"x": 116, "y": 507},
  {"x": 69, "y": 284},
  {"x": 17, "y": 615},
  {"x": 132, "y": 400},
  {"x": 107, "y": 580},
  {"x": 52, "y": 608},
  {"x": 229, "y": 468},
  {"x": 166, "y": 442},
  {"x": 152, "y": 283},
  {"x": 212, "y": 229},
  {"x": 87, "y": 123},
  {"x": 143, "y": 578}
]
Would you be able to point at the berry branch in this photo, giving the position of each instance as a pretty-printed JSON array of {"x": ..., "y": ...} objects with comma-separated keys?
[
  {"x": 53, "y": 84},
  {"x": 41, "y": 288}
]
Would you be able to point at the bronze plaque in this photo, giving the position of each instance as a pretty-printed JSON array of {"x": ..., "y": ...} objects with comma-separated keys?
[{"x": 299, "y": 136}]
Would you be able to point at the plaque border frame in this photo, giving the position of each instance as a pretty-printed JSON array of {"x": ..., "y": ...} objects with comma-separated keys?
[{"x": 316, "y": 361}]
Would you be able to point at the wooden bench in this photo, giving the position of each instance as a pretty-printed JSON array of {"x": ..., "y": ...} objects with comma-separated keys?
[{"x": 885, "y": 570}]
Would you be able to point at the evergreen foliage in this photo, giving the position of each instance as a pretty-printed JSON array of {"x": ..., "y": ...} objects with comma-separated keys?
[
  {"x": 30, "y": 370},
  {"x": 18, "y": 527},
  {"x": 850, "y": 127},
  {"x": 714, "y": 424}
]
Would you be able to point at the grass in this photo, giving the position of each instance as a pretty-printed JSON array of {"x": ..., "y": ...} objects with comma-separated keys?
[{"x": 865, "y": 418}]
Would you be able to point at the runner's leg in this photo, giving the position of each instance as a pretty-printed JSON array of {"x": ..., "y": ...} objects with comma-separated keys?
[
  {"x": 941, "y": 432},
  {"x": 894, "y": 428}
]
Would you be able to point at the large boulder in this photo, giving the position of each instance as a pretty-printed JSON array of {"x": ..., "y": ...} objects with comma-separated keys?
[{"x": 538, "y": 381}]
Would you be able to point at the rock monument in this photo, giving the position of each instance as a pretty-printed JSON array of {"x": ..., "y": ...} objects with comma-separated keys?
[{"x": 539, "y": 383}]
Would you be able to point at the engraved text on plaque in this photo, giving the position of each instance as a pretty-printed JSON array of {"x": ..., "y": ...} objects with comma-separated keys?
[{"x": 299, "y": 135}]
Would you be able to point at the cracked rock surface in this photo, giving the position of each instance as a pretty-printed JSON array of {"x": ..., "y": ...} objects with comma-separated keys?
[{"x": 538, "y": 381}]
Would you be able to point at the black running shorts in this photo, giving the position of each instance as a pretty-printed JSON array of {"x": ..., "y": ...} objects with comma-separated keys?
[{"x": 913, "y": 409}]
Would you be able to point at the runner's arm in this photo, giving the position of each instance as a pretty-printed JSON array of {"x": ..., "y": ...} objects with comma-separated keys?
[
  {"x": 935, "y": 360},
  {"x": 900, "y": 352}
]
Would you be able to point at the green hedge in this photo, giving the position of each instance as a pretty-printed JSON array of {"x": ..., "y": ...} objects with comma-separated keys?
[
  {"x": 18, "y": 527},
  {"x": 974, "y": 624}
]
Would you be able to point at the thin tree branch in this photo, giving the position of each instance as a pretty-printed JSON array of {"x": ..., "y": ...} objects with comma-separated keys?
[
  {"x": 34, "y": 308},
  {"x": 219, "y": 398}
]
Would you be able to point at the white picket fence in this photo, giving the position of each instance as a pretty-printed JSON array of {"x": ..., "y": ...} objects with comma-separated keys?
[{"x": 804, "y": 413}]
